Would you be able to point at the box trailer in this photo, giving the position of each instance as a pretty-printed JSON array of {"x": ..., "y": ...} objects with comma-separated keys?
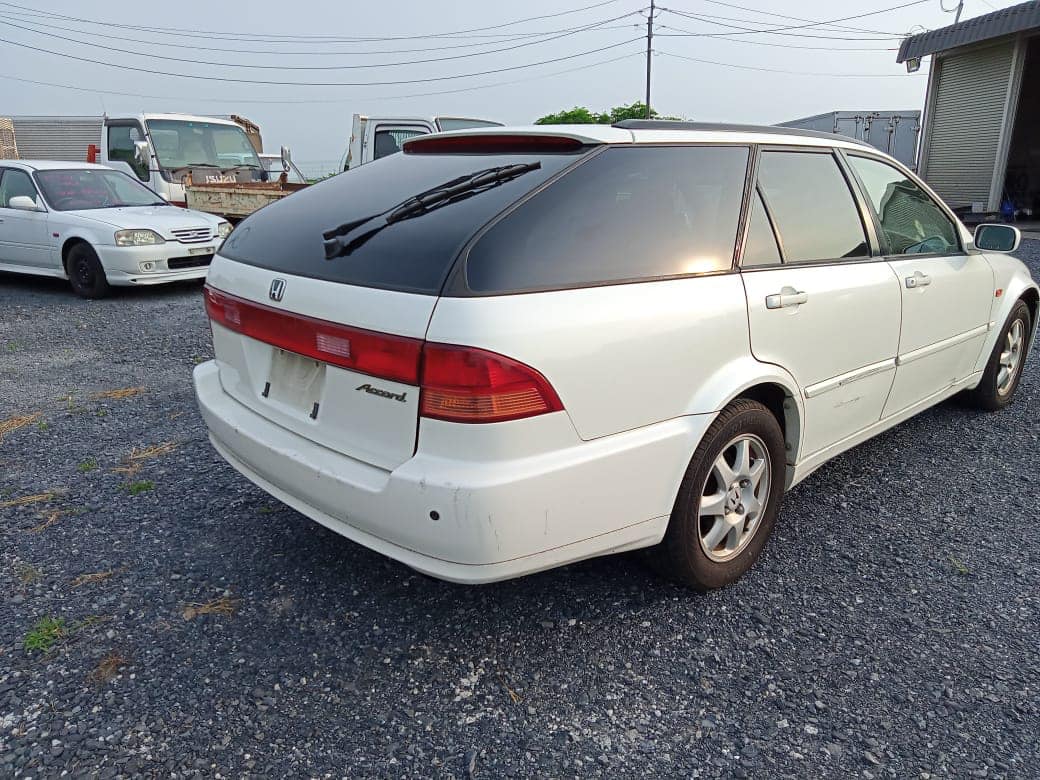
[{"x": 893, "y": 132}]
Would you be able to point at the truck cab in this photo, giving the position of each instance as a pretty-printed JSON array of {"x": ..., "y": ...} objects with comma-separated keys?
[
  {"x": 164, "y": 151},
  {"x": 374, "y": 137}
]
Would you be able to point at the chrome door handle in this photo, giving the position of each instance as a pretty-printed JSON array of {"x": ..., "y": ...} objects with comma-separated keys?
[
  {"x": 788, "y": 296},
  {"x": 918, "y": 280}
]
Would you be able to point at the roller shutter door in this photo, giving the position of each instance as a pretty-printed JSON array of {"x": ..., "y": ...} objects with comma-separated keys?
[
  {"x": 56, "y": 138},
  {"x": 966, "y": 122}
]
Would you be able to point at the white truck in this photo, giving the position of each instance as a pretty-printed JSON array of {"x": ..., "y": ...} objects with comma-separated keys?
[
  {"x": 163, "y": 151},
  {"x": 375, "y": 137}
]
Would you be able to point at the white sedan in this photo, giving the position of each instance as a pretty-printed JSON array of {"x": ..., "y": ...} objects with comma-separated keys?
[{"x": 98, "y": 227}]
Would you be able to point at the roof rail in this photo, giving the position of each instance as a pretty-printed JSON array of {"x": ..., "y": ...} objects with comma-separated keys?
[{"x": 724, "y": 127}]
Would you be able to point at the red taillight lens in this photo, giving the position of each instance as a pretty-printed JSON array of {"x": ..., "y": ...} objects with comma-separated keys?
[
  {"x": 378, "y": 354},
  {"x": 463, "y": 384}
]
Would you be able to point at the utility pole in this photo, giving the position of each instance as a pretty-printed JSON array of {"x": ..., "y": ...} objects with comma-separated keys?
[
  {"x": 960, "y": 9},
  {"x": 649, "y": 43}
]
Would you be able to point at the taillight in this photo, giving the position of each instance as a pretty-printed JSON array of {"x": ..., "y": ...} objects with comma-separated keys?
[
  {"x": 464, "y": 384},
  {"x": 378, "y": 354}
]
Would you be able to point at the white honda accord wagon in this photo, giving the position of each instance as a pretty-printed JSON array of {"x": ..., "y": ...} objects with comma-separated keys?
[{"x": 506, "y": 349}]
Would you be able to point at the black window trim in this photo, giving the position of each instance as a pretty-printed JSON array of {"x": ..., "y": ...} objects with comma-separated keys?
[
  {"x": 865, "y": 215},
  {"x": 457, "y": 286},
  {"x": 886, "y": 247}
]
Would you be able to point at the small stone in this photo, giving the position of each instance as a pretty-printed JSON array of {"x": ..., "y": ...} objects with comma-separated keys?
[{"x": 871, "y": 758}]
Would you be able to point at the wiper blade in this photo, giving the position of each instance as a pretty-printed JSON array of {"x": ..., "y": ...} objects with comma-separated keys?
[{"x": 345, "y": 238}]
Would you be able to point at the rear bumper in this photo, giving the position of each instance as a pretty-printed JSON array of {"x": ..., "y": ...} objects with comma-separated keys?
[{"x": 495, "y": 520}]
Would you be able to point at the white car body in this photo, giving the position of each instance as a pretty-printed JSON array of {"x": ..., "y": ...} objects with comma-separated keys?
[
  {"x": 37, "y": 242},
  {"x": 641, "y": 370}
]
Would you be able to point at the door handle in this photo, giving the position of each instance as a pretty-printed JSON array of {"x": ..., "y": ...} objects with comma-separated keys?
[
  {"x": 787, "y": 297},
  {"x": 918, "y": 280}
]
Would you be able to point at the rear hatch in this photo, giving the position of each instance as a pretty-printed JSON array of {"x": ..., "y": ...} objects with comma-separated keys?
[{"x": 320, "y": 303}]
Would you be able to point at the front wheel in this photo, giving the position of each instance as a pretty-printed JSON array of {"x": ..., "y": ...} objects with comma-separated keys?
[
  {"x": 86, "y": 275},
  {"x": 1004, "y": 369},
  {"x": 728, "y": 501}
]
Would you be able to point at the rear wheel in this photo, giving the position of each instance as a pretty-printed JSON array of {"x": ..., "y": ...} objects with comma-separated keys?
[
  {"x": 85, "y": 272},
  {"x": 728, "y": 501},
  {"x": 1004, "y": 369}
]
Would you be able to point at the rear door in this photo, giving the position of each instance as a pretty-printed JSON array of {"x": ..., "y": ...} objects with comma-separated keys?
[
  {"x": 946, "y": 293},
  {"x": 820, "y": 302}
]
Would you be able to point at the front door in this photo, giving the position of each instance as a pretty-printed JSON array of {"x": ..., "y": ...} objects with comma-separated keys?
[
  {"x": 946, "y": 293},
  {"x": 820, "y": 304},
  {"x": 23, "y": 234}
]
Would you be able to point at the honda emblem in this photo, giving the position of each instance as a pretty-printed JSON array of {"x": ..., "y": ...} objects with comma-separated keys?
[{"x": 277, "y": 289}]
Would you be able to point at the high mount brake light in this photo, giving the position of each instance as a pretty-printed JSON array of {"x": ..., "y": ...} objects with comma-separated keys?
[
  {"x": 492, "y": 144},
  {"x": 464, "y": 384},
  {"x": 458, "y": 384},
  {"x": 377, "y": 354}
]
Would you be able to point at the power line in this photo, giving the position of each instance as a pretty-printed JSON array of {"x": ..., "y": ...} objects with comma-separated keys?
[
  {"x": 805, "y": 25},
  {"x": 724, "y": 36},
  {"x": 267, "y": 38},
  {"x": 844, "y": 28},
  {"x": 683, "y": 33},
  {"x": 312, "y": 53},
  {"x": 295, "y": 101},
  {"x": 787, "y": 72},
  {"x": 227, "y": 79},
  {"x": 152, "y": 55},
  {"x": 710, "y": 19}
]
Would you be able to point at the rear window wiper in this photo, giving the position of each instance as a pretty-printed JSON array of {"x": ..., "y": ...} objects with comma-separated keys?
[{"x": 349, "y": 236}]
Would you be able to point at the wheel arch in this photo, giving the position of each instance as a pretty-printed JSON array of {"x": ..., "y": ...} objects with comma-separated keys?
[
  {"x": 67, "y": 246},
  {"x": 1032, "y": 299}
]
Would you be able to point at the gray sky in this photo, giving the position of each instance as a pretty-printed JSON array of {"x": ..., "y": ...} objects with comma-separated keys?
[{"x": 319, "y": 131}]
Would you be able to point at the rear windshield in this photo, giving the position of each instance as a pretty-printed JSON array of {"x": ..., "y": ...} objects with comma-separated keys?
[{"x": 411, "y": 255}]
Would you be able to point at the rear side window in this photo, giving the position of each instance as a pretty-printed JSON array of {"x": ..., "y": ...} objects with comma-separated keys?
[
  {"x": 412, "y": 255},
  {"x": 760, "y": 247},
  {"x": 628, "y": 213},
  {"x": 812, "y": 207},
  {"x": 910, "y": 220}
]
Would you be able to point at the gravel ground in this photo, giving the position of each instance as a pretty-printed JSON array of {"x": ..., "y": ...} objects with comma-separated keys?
[{"x": 890, "y": 629}]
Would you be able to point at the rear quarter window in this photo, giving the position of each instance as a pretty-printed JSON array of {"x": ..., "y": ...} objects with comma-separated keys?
[{"x": 629, "y": 213}]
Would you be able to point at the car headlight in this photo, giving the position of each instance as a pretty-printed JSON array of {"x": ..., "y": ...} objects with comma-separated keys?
[
  {"x": 223, "y": 230},
  {"x": 138, "y": 238}
]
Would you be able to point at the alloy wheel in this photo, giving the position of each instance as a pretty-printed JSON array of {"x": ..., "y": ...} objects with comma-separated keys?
[{"x": 734, "y": 498}]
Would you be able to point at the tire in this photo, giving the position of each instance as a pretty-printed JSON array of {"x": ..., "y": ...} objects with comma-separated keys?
[
  {"x": 689, "y": 552},
  {"x": 85, "y": 273},
  {"x": 997, "y": 388}
]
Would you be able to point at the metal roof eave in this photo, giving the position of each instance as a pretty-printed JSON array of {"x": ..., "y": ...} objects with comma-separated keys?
[{"x": 1006, "y": 21}]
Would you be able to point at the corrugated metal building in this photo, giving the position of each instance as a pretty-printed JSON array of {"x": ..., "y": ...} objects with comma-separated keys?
[
  {"x": 893, "y": 132},
  {"x": 980, "y": 139},
  {"x": 40, "y": 138}
]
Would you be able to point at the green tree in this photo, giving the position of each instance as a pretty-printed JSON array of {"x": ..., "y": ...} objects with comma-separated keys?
[{"x": 579, "y": 115}]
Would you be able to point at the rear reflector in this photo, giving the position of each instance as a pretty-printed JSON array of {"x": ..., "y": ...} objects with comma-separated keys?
[
  {"x": 377, "y": 354},
  {"x": 463, "y": 384}
]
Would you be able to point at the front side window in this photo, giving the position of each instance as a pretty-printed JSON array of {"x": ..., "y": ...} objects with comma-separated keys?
[
  {"x": 910, "y": 220},
  {"x": 388, "y": 140},
  {"x": 629, "y": 213},
  {"x": 812, "y": 206},
  {"x": 121, "y": 147},
  {"x": 93, "y": 188},
  {"x": 14, "y": 183}
]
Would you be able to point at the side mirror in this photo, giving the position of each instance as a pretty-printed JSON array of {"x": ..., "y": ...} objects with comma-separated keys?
[
  {"x": 23, "y": 203},
  {"x": 997, "y": 238},
  {"x": 142, "y": 153},
  {"x": 286, "y": 158}
]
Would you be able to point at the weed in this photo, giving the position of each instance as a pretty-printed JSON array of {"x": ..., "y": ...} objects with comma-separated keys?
[
  {"x": 90, "y": 579},
  {"x": 88, "y": 465},
  {"x": 45, "y": 634},
  {"x": 135, "y": 460},
  {"x": 117, "y": 395},
  {"x": 12, "y": 424},
  {"x": 267, "y": 510},
  {"x": 107, "y": 668},
  {"x": 136, "y": 488},
  {"x": 43, "y": 425},
  {"x": 33, "y": 499},
  {"x": 222, "y": 606},
  {"x": 959, "y": 566},
  {"x": 27, "y": 574}
]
